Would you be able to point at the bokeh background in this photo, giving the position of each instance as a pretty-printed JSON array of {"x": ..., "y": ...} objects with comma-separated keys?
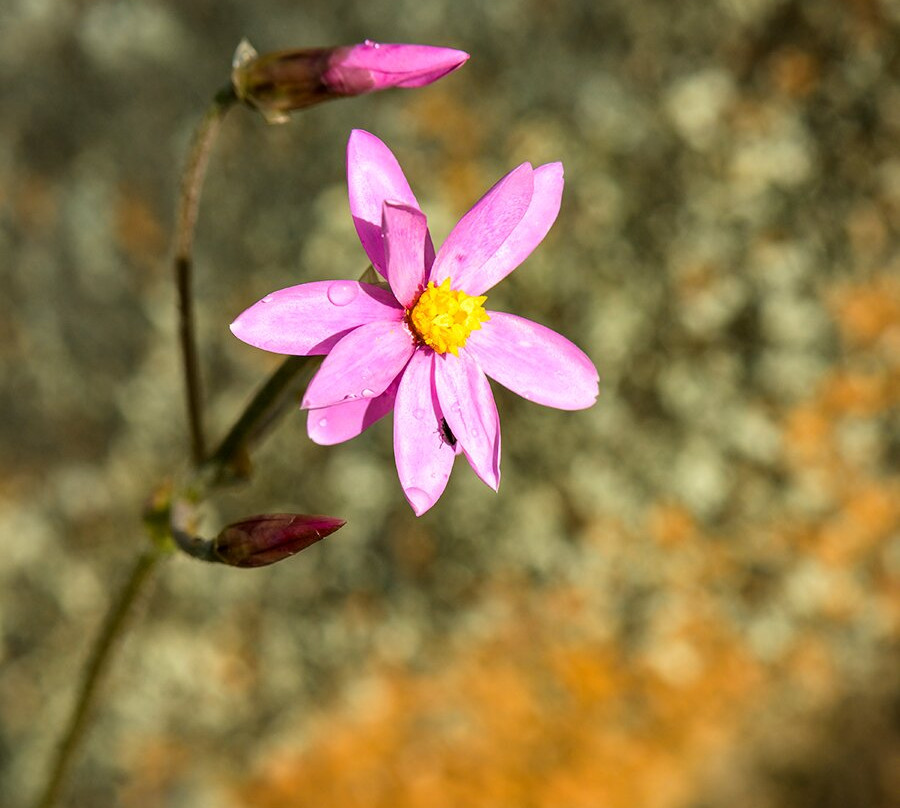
[{"x": 685, "y": 597}]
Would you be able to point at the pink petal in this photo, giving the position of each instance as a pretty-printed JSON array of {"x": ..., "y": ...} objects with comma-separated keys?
[
  {"x": 424, "y": 460},
  {"x": 330, "y": 425},
  {"x": 482, "y": 231},
  {"x": 377, "y": 66},
  {"x": 310, "y": 319},
  {"x": 467, "y": 404},
  {"x": 405, "y": 233},
  {"x": 374, "y": 177},
  {"x": 535, "y": 224},
  {"x": 361, "y": 365},
  {"x": 533, "y": 361}
]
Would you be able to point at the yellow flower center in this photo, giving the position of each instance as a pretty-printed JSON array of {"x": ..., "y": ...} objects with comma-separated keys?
[{"x": 443, "y": 317}]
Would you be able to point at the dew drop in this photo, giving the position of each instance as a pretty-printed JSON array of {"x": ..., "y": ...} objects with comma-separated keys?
[
  {"x": 323, "y": 422},
  {"x": 418, "y": 413},
  {"x": 342, "y": 292},
  {"x": 368, "y": 393},
  {"x": 267, "y": 299},
  {"x": 419, "y": 499},
  {"x": 474, "y": 433}
]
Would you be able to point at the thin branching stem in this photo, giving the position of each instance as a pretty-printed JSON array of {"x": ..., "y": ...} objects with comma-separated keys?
[
  {"x": 98, "y": 664},
  {"x": 189, "y": 200}
]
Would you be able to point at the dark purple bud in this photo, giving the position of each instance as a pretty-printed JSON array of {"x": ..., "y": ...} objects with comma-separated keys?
[
  {"x": 277, "y": 83},
  {"x": 261, "y": 540}
]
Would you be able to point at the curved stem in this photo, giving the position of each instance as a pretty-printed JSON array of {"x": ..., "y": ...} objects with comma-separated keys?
[
  {"x": 189, "y": 200},
  {"x": 98, "y": 663}
]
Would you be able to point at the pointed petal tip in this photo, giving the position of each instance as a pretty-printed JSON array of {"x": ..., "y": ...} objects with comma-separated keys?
[
  {"x": 435, "y": 57},
  {"x": 240, "y": 329},
  {"x": 362, "y": 136},
  {"x": 420, "y": 501},
  {"x": 552, "y": 173},
  {"x": 460, "y": 56},
  {"x": 491, "y": 481}
]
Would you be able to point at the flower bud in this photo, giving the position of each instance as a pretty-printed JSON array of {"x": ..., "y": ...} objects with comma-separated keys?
[
  {"x": 261, "y": 540},
  {"x": 277, "y": 83}
]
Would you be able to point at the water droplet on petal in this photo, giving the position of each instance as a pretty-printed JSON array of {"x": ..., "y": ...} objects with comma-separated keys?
[
  {"x": 323, "y": 422},
  {"x": 368, "y": 393},
  {"x": 418, "y": 413},
  {"x": 474, "y": 432},
  {"x": 419, "y": 499},
  {"x": 266, "y": 299},
  {"x": 342, "y": 292}
]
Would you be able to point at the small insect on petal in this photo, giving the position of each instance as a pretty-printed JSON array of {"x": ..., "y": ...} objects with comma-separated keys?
[{"x": 446, "y": 434}]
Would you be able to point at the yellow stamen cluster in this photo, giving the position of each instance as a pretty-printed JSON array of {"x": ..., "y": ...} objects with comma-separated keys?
[{"x": 443, "y": 317}]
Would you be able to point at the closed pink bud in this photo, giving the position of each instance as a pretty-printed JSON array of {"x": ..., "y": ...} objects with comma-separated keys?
[
  {"x": 373, "y": 66},
  {"x": 261, "y": 540},
  {"x": 277, "y": 83}
]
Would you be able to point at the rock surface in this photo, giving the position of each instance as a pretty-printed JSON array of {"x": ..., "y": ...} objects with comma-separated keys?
[{"x": 686, "y": 596}]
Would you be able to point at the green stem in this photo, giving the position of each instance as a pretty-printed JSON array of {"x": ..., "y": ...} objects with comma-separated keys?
[
  {"x": 189, "y": 200},
  {"x": 270, "y": 401},
  {"x": 98, "y": 663}
]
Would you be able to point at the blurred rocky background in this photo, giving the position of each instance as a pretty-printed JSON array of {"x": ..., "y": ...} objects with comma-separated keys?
[{"x": 686, "y": 597}]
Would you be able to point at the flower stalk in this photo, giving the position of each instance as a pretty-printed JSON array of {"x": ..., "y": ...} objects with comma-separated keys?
[
  {"x": 101, "y": 655},
  {"x": 185, "y": 226},
  {"x": 230, "y": 460}
]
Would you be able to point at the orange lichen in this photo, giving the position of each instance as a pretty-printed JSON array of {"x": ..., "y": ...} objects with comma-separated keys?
[
  {"x": 526, "y": 718},
  {"x": 671, "y": 524},
  {"x": 866, "y": 311}
]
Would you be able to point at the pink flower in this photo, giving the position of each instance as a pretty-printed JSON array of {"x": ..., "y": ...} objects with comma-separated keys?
[
  {"x": 276, "y": 83},
  {"x": 426, "y": 346}
]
